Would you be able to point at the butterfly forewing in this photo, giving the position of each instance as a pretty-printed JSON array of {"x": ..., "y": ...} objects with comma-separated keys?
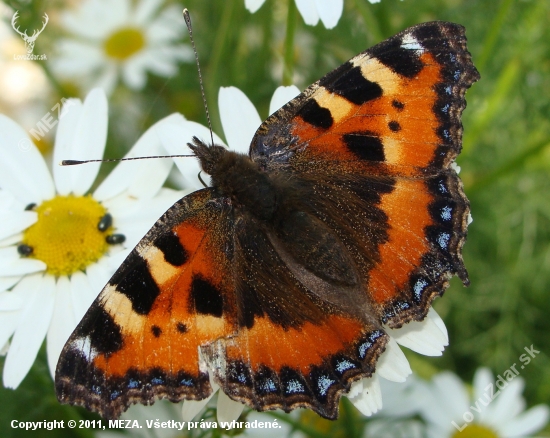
[{"x": 391, "y": 116}]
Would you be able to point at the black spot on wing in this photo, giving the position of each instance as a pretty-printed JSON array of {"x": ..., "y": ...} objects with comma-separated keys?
[
  {"x": 205, "y": 298},
  {"x": 134, "y": 280},
  {"x": 181, "y": 327},
  {"x": 394, "y": 126},
  {"x": 171, "y": 247},
  {"x": 366, "y": 145},
  {"x": 316, "y": 115},
  {"x": 156, "y": 330},
  {"x": 348, "y": 81},
  {"x": 398, "y": 105},
  {"x": 404, "y": 62},
  {"x": 371, "y": 190},
  {"x": 104, "y": 334}
]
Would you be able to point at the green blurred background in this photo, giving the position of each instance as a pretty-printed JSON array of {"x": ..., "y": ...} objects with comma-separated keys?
[{"x": 505, "y": 161}]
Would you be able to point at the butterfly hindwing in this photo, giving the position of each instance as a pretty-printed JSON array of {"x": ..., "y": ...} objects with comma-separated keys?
[{"x": 206, "y": 294}]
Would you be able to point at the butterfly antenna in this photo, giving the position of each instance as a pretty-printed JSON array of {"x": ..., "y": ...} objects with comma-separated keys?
[
  {"x": 187, "y": 19},
  {"x": 75, "y": 162}
]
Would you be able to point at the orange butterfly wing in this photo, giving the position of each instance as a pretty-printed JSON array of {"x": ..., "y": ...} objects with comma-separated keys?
[{"x": 390, "y": 120}]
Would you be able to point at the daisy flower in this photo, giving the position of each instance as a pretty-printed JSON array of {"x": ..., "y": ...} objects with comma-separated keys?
[
  {"x": 59, "y": 243},
  {"x": 329, "y": 11},
  {"x": 493, "y": 410},
  {"x": 112, "y": 39},
  {"x": 240, "y": 120}
]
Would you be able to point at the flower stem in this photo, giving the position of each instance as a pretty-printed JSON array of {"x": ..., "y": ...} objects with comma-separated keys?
[{"x": 288, "y": 67}]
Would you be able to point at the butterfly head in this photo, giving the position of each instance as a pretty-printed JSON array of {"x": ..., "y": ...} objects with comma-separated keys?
[{"x": 209, "y": 156}]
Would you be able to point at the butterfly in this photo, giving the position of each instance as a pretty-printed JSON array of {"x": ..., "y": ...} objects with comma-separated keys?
[{"x": 277, "y": 281}]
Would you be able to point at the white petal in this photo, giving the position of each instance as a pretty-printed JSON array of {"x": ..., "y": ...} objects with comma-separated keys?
[
  {"x": 161, "y": 64},
  {"x": 10, "y": 301},
  {"x": 527, "y": 423},
  {"x": 141, "y": 178},
  {"x": 434, "y": 431},
  {"x": 82, "y": 294},
  {"x": 394, "y": 428},
  {"x": 253, "y": 5},
  {"x": 483, "y": 379},
  {"x": 438, "y": 321},
  {"x": 81, "y": 135},
  {"x": 8, "y": 281},
  {"x": 166, "y": 27},
  {"x": 96, "y": 18},
  {"x": 30, "y": 333},
  {"x": 8, "y": 324},
  {"x": 393, "y": 365},
  {"x": 330, "y": 11},
  {"x": 64, "y": 145},
  {"x": 15, "y": 222},
  {"x": 10, "y": 319},
  {"x": 174, "y": 137},
  {"x": 23, "y": 171},
  {"x": 134, "y": 71},
  {"x": 228, "y": 410},
  {"x": 191, "y": 408},
  {"x": 507, "y": 404},
  {"x": 62, "y": 325},
  {"x": 356, "y": 389},
  {"x": 308, "y": 10},
  {"x": 145, "y": 11},
  {"x": 424, "y": 337},
  {"x": 142, "y": 215},
  {"x": 400, "y": 399},
  {"x": 98, "y": 276},
  {"x": 281, "y": 96},
  {"x": 11, "y": 240},
  {"x": 89, "y": 140},
  {"x": 446, "y": 401},
  {"x": 75, "y": 58},
  {"x": 11, "y": 263},
  {"x": 240, "y": 120},
  {"x": 107, "y": 80},
  {"x": 369, "y": 400}
]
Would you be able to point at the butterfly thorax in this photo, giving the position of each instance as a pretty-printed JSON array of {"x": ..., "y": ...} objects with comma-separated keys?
[
  {"x": 278, "y": 204},
  {"x": 240, "y": 179}
]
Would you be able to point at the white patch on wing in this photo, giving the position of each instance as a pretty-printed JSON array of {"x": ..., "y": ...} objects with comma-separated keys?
[
  {"x": 411, "y": 43},
  {"x": 84, "y": 345}
]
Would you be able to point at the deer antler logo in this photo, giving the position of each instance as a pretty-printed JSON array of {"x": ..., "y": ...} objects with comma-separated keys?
[{"x": 29, "y": 40}]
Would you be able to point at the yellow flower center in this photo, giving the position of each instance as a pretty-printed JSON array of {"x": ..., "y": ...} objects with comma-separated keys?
[
  {"x": 67, "y": 235},
  {"x": 124, "y": 43},
  {"x": 475, "y": 431}
]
